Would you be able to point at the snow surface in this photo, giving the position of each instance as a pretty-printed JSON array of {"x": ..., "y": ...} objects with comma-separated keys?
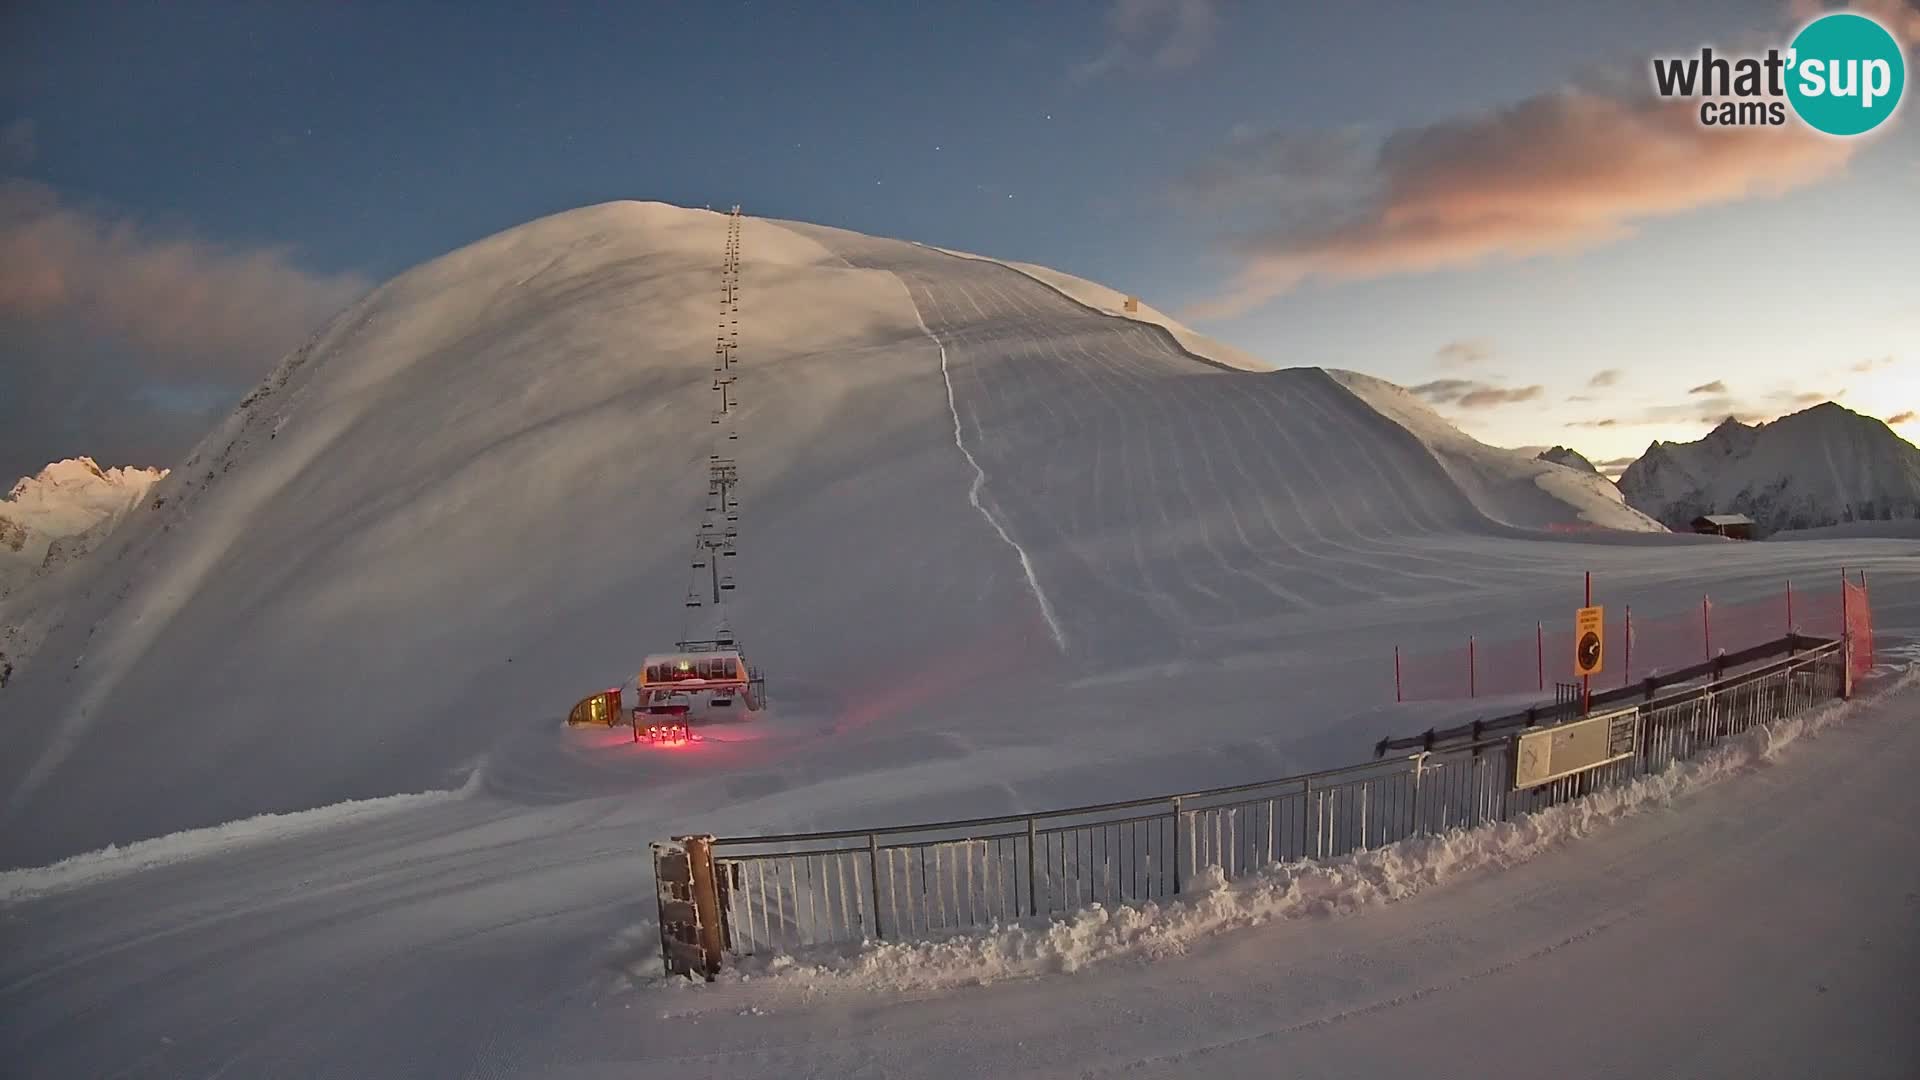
[
  {"x": 1516, "y": 488},
  {"x": 1300, "y": 890},
  {"x": 468, "y": 503},
  {"x": 1826, "y": 465},
  {"x": 476, "y": 937},
  {"x": 95, "y": 866},
  {"x": 1113, "y": 302}
]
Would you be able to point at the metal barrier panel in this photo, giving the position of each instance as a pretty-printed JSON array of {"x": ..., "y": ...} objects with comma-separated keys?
[{"x": 928, "y": 881}]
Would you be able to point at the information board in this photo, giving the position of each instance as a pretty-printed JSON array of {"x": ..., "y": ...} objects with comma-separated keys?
[{"x": 1548, "y": 754}]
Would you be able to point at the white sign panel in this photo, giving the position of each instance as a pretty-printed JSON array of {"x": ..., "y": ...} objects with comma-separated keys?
[{"x": 1548, "y": 754}]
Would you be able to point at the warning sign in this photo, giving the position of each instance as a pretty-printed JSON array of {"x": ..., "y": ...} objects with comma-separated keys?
[{"x": 1589, "y": 637}]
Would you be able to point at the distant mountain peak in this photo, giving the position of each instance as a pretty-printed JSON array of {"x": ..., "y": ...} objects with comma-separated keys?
[
  {"x": 53, "y": 516},
  {"x": 1568, "y": 456},
  {"x": 1823, "y": 465}
]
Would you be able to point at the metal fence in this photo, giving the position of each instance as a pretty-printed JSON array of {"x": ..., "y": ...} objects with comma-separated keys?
[{"x": 929, "y": 880}]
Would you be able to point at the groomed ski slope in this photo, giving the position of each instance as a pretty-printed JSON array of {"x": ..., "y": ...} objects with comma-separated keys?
[{"x": 469, "y": 503}]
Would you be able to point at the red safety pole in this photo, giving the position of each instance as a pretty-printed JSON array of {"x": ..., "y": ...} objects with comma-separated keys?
[
  {"x": 1706, "y": 625},
  {"x": 1864, "y": 599},
  {"x": 1626, "y": 669},
  {"x": 1396, "y": 675},
  {"x": 1540, "y": 654},
  {"x": 1586, "y": 681},
  {"x": 1789, "y": 605},
  {"x": 1472, "y": 682}
]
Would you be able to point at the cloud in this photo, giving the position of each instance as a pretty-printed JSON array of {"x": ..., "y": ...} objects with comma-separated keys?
[
  {"x": 196, "y": 307},
  {"x": 1556, "y": 173},
  {"x": 1463, "y": 353},
  {"x": 1491, "y": 396},
  {"x": 1609, "y": 422},
  {"x": 1615, "y": 463},
  {"x": 1160, "y": 35},
  {"x": 1808, "y": 397},
  {"x": 1606, "y": 377},
  {"x": 1714, "y": 387},
  {"x": 125, "y": 342},
  {"x": 1871, "y": 364},
  {"x": 1472, "y": 394},
  {"x": 1444, "y": 391},
  {"x": 1907, "y": 417},
  {"x": 17, "y": 145}
]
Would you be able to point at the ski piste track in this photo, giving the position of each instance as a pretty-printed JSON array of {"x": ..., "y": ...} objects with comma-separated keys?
[{"x": 1225, "y": 553}]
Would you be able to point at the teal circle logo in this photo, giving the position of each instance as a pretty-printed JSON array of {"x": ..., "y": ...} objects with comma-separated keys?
[{"x": 1845, "y": 74}]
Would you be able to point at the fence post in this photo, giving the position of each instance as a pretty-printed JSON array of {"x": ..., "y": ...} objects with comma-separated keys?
[
  {"x": 1706, "y": 624},
  {"x": 1306, "y": 796},
  {"x": 1626, "y": 666},
  {"x": 1419, "y": 763},
  {"x": 1176, "y": 845},
  {"x": 1472, "y": 681},
  {"x": 689, "y": 903},
  {"x": 1319, "y": 832},
  {"x": 873, "y": 882},
  {"x": 1540, "y": 654},
  {"x": 1033, "y": 882},
  {"x": 1396, "y": 676},
  {"x": 1872, "y": 656}
]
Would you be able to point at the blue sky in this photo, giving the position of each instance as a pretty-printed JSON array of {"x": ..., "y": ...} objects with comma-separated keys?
[{"x": 343, "y": 144}]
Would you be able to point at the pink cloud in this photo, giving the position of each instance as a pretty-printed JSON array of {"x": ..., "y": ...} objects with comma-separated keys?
[
  {"x": 193, "y": 306},
  {"x": 1556, "y": 173}
]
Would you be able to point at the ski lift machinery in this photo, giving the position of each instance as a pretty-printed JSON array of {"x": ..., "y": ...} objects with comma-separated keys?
[{"x": 712, "y": 669}]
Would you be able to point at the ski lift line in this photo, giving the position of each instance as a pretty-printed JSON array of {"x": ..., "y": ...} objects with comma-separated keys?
[{"x": 979, "y": 481}]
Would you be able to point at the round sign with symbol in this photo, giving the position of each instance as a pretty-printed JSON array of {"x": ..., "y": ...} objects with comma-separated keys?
[{"x": 1588, "y": 652}]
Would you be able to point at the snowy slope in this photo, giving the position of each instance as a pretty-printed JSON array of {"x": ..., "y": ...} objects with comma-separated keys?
[
  {"x": 55, "y": 516},
  {"x": 1113, "y": 302},
  {"x": 1507, "y": 485},
  {"x": 471, "y": 500},
  {"x": 999, "y": 551},
  {"x": 1825, "y": 465}
]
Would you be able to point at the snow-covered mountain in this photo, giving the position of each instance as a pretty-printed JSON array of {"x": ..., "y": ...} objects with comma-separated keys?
[
  {"x": 56, "y": 516},
  {"x": 473, "y": 497},
  {"x": 1825, "y": 465},
  {"x": 1571, "y": 458}
]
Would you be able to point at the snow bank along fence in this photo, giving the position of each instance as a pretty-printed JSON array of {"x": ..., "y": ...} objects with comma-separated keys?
[
  {"x": 744, "y": 895},
  {"x": 1638, "y": 644}
]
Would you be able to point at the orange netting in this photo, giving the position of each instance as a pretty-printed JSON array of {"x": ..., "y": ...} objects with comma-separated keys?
[{"x": 1638, "y": 643}]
